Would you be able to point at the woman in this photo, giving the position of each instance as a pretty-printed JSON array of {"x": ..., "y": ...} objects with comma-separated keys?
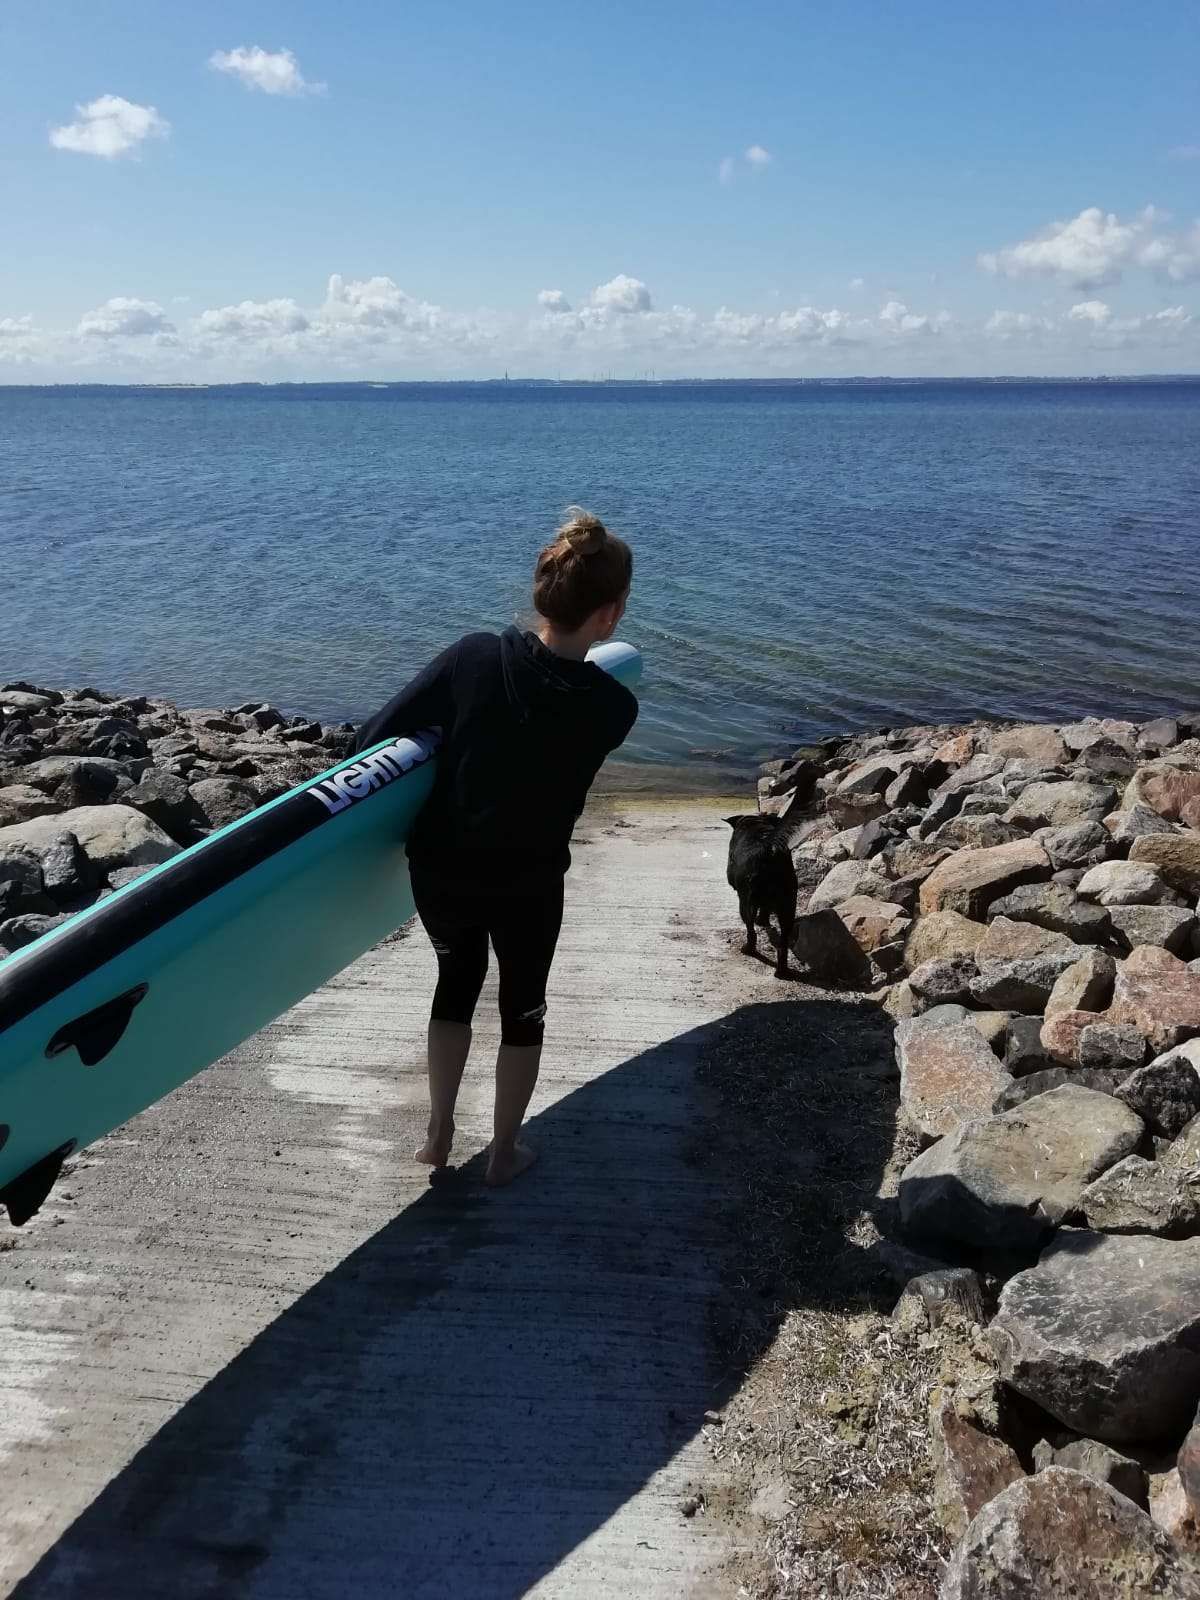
[{"x": 526, "y": 722}]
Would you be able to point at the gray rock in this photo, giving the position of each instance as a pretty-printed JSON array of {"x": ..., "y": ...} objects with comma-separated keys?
[
  {"x": 824, "y": 946},
  {"x": 1056, "y": 907},
  {"x": 970, "y": 1467},
  {"x": 23, "y": 700},
  {"x": 1079, "y": 736},
  {"x": 121, "y": 877},
  {"x": 1054, "y": 805},
  {"x": 21, "y": 884},
  {"x": 1104, "y": 1333},
  {"x": 1075, "y": 844},
  {"x": 1061, "y": 1536},
  {"x": 66, "y": 871},
  {"x": 948, "y": 1074},
  {"x": 1047, "y": 1078},
  {"x": 19, "y": 802},
  {"x": 17, "y": 932},
  {"x": 167, "y": 800},
  {"x": 1115, "y": 1046},
  {"x": 1034, "y": 742},
  {"x": 1165, "y": 1093},
  {"x": 975, "y": 832},
  {"x": 944, "y": 934},
  {"x": 1176, "y": 856},
  {"x": 1023, "y": 1049},
  {"x": 1086, "y": 985},
  {"x": 1021, "y": 985},
  {"x": 946, "y": 1292},
  {"x": 110, "y": 836},
  {"x": 221, "y": 801},
  {"x": 969, "y": 880},
  {"x": 1184, "y": 1150},
  {"x": 913, "y": 858},
  {"x": 1005, "y": 1181},
  {"x": 1138, "y": 822},
  {"x": 1105, "y": 759},
  {"x": 1168, "y": 927},
  {"x": 846, "y": 880},
  {"x": 1140, "y": 1196},
  {"x": 1099, "y": 1462},
  {"x": 1126, "y": 883},
  {"x": 1159, "y": 735},
  {"x": 99, "y": 774},
  {"x": 945, "y": 981}
]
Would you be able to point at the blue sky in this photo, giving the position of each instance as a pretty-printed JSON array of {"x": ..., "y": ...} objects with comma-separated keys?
[{"x": 930, "y": 188}]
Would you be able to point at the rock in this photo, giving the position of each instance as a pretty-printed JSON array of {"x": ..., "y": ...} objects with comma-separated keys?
[
  {"x": 943, "y": 934},
  {"x": 1158, "y": 735},
  {"x": 900, "y": 1003},
  {"x": 873, "y": 923},
  {"x": 1086, "y": 985},
  {"x": 1034, "y": 742},
  {"x": 1023, "y": 984},
  {"x": 969, "y": 1466},
  {"x": 20, "y": 802},
  {"x": 1125, "y": 883},
  {"x": 1152, "y": 958},
  {"x": 943, "y": 982},
  {"x": 975, "y": 832},
  {"x": 993, "y": 1025},
  {"x": 1188, "y": 1466},
  {"x": 846, "y": 881},
  {"x": 1006, "y": 940},
  {"x": 1056, "y": 907},
  {"x": 1137, "y": 822},
  {"x": 969, "y": 880},
  {"x": 1164, "y": 789},
  {"x": 947, "y": 1075},
  {"x": 1140, "y": 1196},
  {"x": 944, "y": 1293},
  {"x": 167, "y": 801},
  {"x": 914, "y": 858},
  {"x": 110, "y": 836},
  {"x": 121, "y": 877},
  {"x": 67, "y": 873},
  {"x": 302, "y": 732},
  {"x": 17, "y": 932},
  {"x": 1061, "y": 1035},
  {"x": 1079, "y": 736},
  {"x": 1104, "y": 1332},
  {"x": 1175, "y": 855},
  {"x": 1055, "y": 804},
  {"x": 1005, "y": 1181},
  {"x": 21, "y": 884},
  {"x": 912, "y": 786},
  {"x": 872, "y": 837},
  {"x": 1171, "y": 1511},
  {"x": 902, "y": 1264},
  {"x": 1171, "y": 927},
  {"x": 89, "y": 778},
  {"x": 823, "y": 945},
  {"x": 1099, "y": 1462},
  {"x": 1165, "y": 1094},
  {"x": 1023, "y": 1048},
  {"x": 221, "y": 801},
  {"x": 1047, "y": 1078},
  {"x": 1109, "y": 1046},
  {"x": 1183, "y": 1153},
  {"x": 1164, "y": 1006},
  {"x": 1061, "y": 1536},
  {"x": 957, "y": 751}
]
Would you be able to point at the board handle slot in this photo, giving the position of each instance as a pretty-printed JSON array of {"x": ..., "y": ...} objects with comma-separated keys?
[
  {"x": 100, "y": 1030},
  {"x": 22, "y": 1196}
]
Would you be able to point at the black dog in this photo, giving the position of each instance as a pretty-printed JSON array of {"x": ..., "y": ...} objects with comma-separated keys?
[{"x": 762, "y": 874}]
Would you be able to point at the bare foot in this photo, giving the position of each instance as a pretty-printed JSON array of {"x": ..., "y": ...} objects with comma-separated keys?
[
  {"x": 435, "y": 1152},
  {"x": 503, "y": 1167}
]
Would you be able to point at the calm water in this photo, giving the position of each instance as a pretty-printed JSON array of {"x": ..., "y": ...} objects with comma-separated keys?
[{"x": 808, "y": 559}]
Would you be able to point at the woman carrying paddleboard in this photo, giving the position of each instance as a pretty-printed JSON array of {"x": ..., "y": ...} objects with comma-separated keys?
[{"x": 526, "y": 723}]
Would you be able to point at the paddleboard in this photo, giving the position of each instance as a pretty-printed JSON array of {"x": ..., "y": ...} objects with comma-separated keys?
[{"x": 116, "y": 1007}]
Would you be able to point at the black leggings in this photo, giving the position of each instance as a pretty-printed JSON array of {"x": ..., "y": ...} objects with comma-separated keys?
[{"x": 523, "y": 929}]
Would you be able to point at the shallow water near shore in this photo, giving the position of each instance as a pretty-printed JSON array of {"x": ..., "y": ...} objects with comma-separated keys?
[{"x": 809, "y": 559}]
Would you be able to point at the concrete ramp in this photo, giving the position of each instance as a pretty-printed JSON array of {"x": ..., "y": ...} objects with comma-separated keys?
[{"x": 248, "y": 1350}]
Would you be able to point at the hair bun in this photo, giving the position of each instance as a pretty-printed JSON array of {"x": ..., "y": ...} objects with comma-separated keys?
[{"x": 581, "y": 532}]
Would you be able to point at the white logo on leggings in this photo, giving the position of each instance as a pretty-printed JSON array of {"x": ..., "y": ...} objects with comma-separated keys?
[{"x": 363, "y": 777}]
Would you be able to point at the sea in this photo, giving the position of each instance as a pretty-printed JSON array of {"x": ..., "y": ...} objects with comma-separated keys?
[{"x": 811, "y": 558}]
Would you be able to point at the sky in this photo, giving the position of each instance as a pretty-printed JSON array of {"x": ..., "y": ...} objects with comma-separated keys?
[{"x": 266, "y": 191}]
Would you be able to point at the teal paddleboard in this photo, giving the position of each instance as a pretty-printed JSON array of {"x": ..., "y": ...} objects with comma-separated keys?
[{"x": 113, "y": 1009}]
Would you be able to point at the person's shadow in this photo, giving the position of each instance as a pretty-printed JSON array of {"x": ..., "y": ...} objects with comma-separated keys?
[{"x": 366, "y": 1445}]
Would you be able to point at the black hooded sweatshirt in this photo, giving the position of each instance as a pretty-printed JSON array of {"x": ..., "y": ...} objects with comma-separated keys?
[{"x": 524, "y": 732}]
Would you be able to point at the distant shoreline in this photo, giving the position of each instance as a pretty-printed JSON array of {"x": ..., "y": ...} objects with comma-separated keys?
[{"x": 863, "y": 381}]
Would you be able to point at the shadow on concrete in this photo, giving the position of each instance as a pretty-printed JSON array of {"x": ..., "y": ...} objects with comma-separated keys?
[{"x": 480, "y": 1386}]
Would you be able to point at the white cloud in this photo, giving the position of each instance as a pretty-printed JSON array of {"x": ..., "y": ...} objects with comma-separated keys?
[
  {"x": 123, "y": 318},
  {"x": 1093, "y": 311},
  {"x": 16, "y": 327},
  {"x": 856, "y": 283},
  {"x": 726, "y": 168},
  {"x": 254, "y": 319},
  {"x": 757, "y": 157},
  {"x": 109, "y": 127},
  {"x": 1014, "y": 324},
  {"x": 374, "y": 303},
  {"x": 271, "y": 71},
  {"x": 553, "y": 300},
  {"x": 622, "y": 294},
  {"x": 1092, "y": 250}
]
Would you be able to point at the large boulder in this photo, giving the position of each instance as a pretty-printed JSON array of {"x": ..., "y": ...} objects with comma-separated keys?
[
  {"x": 1075, "y": 844},
  {"x": 98, "y": 776},
  {"x": 1099, "y": 1462},
  {"x": 1046, "y": 1078},
  {"x": 824, "y": 946},
  {"x": 846, "y": 881},
  {"x": 1056, "y": 804},
  {"x": 944, "y": 934},
  {"x": 220, "y": 801},
  {"x": 1135, "y": 823},
  {"x": 979, "y": 831},
  {"x": 873, "y": 923},
  {"x": 1082, "y": 735},
  {"x": 1022, "y": 983},
  {"x": 1140, "y": 1196},
  {"x": 166, "y": 799},
  {"x": 969, "y": 880},
  {"x": 1061, "y": 1536},
  {"x": 1111, "y": 1046},
  {"x": 1005, "y": 1181},
  {"x": 1175, "y": 855},
  {"x": 1163, "y": 1005},
  {"x": 944, "y": 981},
  {"x": 110, "y": 836},
  {"x": 1032, "y": 742},
  {"x": 1104, "y": 1333},
  {"x": 1057, "y": 908},
  {"x": 1165, "y": 1093},
  {"x": 970, "y": 1467},
  {"x": 19, "y": 802},
  {"x": 1169, "y": 927},
  {"x": 1166, "y": 789},
  {"x": 1126, "y": 883},
  {"x": 1086, "y": 985},
  {"x": 948, "y": 1074}
]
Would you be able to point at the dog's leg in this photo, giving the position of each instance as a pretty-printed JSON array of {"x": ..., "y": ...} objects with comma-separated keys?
[
  {"x": 750, "y": 948},
  {"x": 787, "y": 923}
]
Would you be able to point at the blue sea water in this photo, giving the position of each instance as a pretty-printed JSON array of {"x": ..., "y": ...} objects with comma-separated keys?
[{"x": 810, "y": 558}]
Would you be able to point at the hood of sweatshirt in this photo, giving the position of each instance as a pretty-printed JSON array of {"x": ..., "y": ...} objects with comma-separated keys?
[{"x": 535, "y": 677}]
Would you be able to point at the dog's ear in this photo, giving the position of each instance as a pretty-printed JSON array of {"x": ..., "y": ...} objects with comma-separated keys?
[{"x": 734, "y": 821}]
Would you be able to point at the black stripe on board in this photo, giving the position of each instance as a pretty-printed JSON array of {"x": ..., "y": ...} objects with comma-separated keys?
[{"x": 94, "y": 937}]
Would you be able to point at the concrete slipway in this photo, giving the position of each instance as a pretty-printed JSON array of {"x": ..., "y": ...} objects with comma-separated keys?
[{"x": 248, "y": 1350}]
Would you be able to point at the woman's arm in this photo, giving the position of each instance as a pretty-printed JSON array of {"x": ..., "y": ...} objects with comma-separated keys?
[{"x": 426, "y": 702}]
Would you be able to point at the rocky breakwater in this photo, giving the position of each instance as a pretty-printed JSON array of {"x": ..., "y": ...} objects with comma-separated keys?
[
  {"x": 96, "y": 788},
  {"x": 1024, "y": 902}
]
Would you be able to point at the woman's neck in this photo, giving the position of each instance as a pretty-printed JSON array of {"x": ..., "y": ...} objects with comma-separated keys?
[{"x": 574, "y": 646}]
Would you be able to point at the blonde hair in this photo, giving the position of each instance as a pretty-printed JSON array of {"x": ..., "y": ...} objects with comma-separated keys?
[{"x": 584, "y": 568}]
